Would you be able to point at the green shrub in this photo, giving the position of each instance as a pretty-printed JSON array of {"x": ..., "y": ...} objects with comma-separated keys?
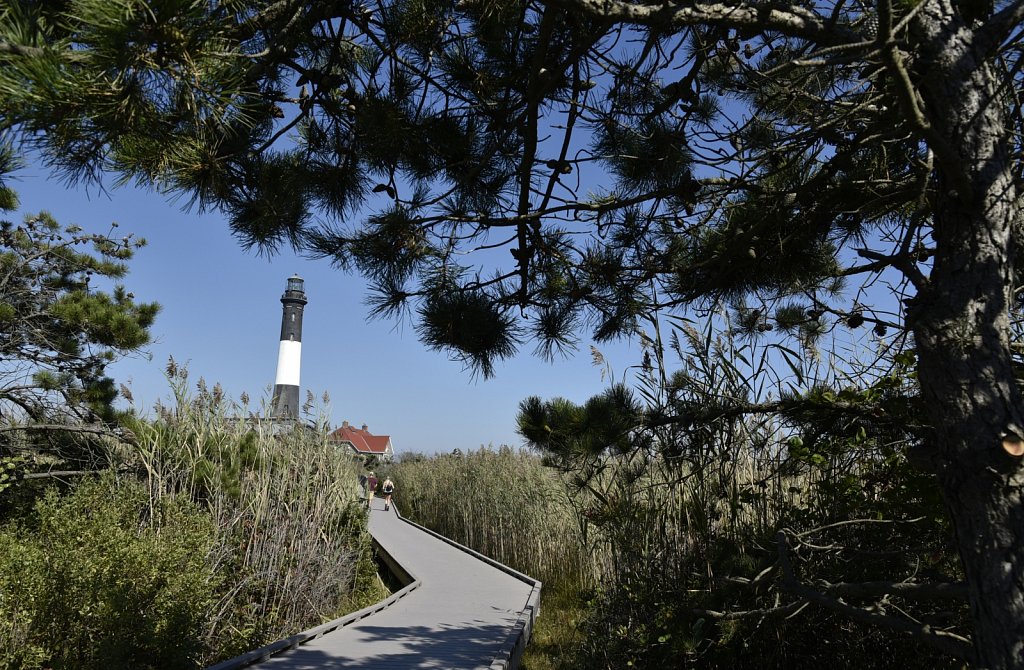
[{"x": 106, "y": 579}]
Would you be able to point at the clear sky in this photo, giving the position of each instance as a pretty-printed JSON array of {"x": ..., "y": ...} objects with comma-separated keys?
[{"x": 221, "y": 315}]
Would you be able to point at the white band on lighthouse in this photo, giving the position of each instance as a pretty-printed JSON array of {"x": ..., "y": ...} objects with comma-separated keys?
[{"x": 288, "y": 357}]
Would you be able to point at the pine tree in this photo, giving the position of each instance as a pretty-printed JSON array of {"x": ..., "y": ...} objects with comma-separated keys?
[
  {"x": 775, "y": 158},
  {"x": 59, "y": 328}
]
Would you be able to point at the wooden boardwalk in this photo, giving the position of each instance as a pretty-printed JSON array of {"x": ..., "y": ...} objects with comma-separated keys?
[{"x": 459, "y": 611}]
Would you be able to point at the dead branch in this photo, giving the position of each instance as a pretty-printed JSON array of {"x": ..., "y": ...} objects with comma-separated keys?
[
  {"x": 782, "y": 610},
  {"x": 908, "y": 590},
  {"x": 53, "y": 474},
  {"x": 950, "y": 643},
  {"x": 120, "y": 434}
]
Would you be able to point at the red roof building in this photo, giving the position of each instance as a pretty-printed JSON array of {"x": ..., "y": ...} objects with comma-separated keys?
[{"x": 362, "y": 442}]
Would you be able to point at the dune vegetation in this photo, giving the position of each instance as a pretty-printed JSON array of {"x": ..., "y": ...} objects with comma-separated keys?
[
  {"x": 765, "y": 539},
  {"x": 203, "y": 535}
]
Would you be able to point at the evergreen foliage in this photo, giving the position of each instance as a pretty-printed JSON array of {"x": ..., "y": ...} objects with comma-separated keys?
[
  {"x": 59, "y": 327},
  {"x": 742, "y": 164},
  {"x": 64, "y": 317}
]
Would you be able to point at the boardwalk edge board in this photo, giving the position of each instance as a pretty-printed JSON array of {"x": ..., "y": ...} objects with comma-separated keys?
[{"x": 397, "y": 570}]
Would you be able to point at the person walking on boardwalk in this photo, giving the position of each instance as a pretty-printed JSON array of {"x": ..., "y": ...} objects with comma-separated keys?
[
  {"x": 362, "y": 486},
  {"x": 371, "y": 486},
  {"x": 387, "y": 488}
]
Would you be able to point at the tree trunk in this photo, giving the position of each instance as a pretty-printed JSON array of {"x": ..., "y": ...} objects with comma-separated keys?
[{"x": 961, "y": 324}]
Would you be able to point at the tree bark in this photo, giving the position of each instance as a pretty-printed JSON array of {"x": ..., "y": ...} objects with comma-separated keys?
[{"x": 961, "y": 324}]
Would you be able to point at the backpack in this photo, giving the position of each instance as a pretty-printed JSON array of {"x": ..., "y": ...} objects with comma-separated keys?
[{"x": 388, "y": 487}]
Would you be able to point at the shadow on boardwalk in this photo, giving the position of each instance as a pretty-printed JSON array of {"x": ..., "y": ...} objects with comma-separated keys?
[{"x": 402, "y": 647}]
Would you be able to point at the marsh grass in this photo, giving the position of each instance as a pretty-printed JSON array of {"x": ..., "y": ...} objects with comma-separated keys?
[
  {"x": 625, "y": 521},
  {"x": 648, "y": 541},
  {"x": 502, "y": 503},
  {"x": 556, "y": 632}
]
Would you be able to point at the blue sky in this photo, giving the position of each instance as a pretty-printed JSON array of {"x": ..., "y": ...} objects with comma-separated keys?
[{"x": 221, "y": 314}]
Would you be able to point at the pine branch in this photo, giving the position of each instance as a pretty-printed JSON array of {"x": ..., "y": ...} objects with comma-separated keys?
[
  {"x": 906, "y": 93},
  {"x": 794, "y": 20},
  {"x": 993, "y": 34},
  {"x": 904, "y": 262},
  {"x": 6, "y": 48}
]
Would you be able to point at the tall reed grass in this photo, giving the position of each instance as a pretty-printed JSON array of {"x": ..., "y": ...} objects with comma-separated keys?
[{"x": 503, "y": 503}]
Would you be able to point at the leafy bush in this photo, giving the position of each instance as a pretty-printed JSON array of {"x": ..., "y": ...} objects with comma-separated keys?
[{"x": 106, "y": 579}]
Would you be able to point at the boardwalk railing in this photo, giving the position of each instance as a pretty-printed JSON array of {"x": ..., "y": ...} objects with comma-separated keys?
[{"x": 507, "y": 657}]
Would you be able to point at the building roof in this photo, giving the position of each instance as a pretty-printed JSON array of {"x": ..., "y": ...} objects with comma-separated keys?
[{"x": 361, "y": 439}]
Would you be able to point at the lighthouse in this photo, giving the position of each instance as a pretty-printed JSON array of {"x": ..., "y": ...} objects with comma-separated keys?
[{"x": 285, "y": 404}]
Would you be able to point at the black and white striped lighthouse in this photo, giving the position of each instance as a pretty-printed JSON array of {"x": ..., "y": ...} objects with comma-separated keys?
[{"x": 285, "y": 404}]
